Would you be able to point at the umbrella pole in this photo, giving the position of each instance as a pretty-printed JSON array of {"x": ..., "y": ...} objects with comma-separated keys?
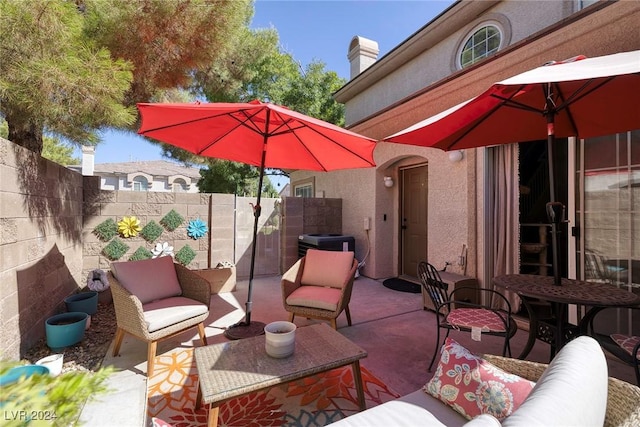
[
  {"x": 555, "y": 210},
  {"x": 247, "y": 328}
]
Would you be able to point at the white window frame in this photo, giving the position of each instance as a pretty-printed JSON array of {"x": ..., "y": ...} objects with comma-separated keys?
[
  {"x": 469, "y": 36},
  {"x": 140, "y": 183},
  {"x": 304, "y": 187}
]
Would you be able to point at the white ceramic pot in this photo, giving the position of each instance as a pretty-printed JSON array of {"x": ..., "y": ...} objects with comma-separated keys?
[
  {"x": 280, "y": 339},
  {"x": 53, "y": 362}
]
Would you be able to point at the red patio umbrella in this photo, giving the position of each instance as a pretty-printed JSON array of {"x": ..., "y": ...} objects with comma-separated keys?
[
  {"x": 582, "y": 97},
  {"x": 260, "y": 134}
]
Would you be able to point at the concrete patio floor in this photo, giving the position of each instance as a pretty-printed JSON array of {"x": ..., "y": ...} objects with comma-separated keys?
[{"x": 391, "y": 326}]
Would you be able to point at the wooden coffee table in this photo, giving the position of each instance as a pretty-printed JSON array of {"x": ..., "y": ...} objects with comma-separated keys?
[{"x": 231, "y": 369}]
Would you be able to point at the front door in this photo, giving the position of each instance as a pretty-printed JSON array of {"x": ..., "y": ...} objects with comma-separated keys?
[{"x": 413, "y": 219}]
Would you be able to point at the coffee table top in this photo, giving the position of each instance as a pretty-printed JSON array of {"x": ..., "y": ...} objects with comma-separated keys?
[{"x": 234, "y": 368}]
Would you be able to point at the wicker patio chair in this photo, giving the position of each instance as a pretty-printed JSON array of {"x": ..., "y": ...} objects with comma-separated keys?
[
  {"x": 157, "y": 299},
  {"x": 461, "y": 315},
  {"x": 623, "y": 399},
  {"x": 319, "y": 285}
]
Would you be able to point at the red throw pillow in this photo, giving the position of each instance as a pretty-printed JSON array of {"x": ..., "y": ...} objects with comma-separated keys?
[{"x": 473, "y": 386}]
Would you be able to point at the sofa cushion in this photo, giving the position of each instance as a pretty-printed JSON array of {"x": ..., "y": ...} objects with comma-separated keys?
[
  {"x": 326, "y": 268},
  {"x": 168, "y": 311},
  {"x": 473, "y": 386},
  {"x": 414, "y": 409},
  {"x": 572, "y": 391},
  {"x": 484, "y": 420},
  {"x": 149, "y": 279},
  {"x": 315, "y": 297}
]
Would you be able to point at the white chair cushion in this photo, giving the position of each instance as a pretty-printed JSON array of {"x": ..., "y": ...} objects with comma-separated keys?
[
  {"x": 327, "y": 268},
  {"x": 169, "y": 311},
  {"x": 149, "y": 279},
  {"x": 324, "y": 298}
]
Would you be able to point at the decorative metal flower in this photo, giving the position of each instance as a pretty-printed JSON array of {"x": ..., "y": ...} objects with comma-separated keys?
[
  {"x": 129, "y": 226},
  {"x": 162, "y": 249},
  {"x": 197, "y": 228}
]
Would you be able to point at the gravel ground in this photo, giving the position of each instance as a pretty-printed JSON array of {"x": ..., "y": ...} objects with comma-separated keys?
[{"x": 88, "y": 354}]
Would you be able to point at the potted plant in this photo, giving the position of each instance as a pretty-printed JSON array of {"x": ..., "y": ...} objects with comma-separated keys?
[{"x": 46, "y": 399}]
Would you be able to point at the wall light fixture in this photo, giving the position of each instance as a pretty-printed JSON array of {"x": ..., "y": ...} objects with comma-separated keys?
[{"x": 455, "y": 156}]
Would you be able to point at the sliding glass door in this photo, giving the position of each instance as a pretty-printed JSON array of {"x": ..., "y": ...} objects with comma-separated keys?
[{"x": 607, "y": 220}]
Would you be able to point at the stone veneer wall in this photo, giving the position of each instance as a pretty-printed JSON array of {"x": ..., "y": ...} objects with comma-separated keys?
[
  {"x": 40, "y": 244},
  {"x": 306, "y": 216}
]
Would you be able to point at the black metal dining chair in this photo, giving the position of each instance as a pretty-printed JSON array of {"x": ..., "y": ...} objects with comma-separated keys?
[
  {"x": 626, "y": 347},
  {"x": 492, "y": 318}
]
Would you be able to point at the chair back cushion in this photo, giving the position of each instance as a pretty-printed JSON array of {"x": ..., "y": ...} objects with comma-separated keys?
[
  {"x": 327, "y": 268},
  {"x": 149, "y": 279}
]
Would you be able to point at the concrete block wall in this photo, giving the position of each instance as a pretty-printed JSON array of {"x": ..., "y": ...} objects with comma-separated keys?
[
  {"x": 40, "y": 244},
  {"x": 306, "y": 216},
  {"x": 48, "y": 214},
  {"x": 101, "y": 205}
]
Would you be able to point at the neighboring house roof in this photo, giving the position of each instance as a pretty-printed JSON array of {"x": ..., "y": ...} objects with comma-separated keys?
[{"x": 151, "y": 167}]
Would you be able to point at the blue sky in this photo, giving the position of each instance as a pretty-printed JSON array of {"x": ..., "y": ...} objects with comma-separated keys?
[{"x": 309, "y": 30}]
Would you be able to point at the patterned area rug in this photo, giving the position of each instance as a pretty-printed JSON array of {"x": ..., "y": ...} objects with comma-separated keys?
[{"x": 315, "y": 401}]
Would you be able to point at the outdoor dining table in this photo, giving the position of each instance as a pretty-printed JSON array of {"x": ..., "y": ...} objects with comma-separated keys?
[{"x": 556, "y": 330}]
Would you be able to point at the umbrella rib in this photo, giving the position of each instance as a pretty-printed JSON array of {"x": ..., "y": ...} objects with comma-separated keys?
[
  {"x": 199, "y": 119},
  {"x": 240, "y": 123},
  {"x": 478, "y": 122},
  {"x": 576, "y": 96},
  {"x": 324, "y": 136}
]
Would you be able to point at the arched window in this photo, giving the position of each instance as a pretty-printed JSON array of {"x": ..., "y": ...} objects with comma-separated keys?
[
  {"x": 140, "y": 183},
  {"x": 483, "y": 41},
  {"x": 179, "y": 186}
]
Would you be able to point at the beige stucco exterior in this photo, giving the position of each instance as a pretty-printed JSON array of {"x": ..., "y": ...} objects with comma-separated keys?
[{"x": 417, "y": 80}]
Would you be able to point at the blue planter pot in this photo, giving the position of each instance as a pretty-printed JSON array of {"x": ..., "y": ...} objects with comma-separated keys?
[
  {"x": 14, "y": 374},
  {"x": 66, "y": 329},
  {"x": 86, "y": 302}
]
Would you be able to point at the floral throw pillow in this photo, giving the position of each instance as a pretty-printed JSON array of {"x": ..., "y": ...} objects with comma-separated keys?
[{"x": 473, "y": 386}]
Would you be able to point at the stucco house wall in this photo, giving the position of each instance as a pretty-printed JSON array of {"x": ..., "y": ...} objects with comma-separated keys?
[
  {"x": 429, "y": 55},
  {"x": 161, "y": 175},
  {"x": 393, "y": 94}
]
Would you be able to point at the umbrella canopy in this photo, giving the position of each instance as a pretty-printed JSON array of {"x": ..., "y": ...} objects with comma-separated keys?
[
  {"x": 260, "y": 134},
  {"x": 582, "y": 97},
  {"x": 585, "y": 97},
  {"x": 241, "y": 132}
]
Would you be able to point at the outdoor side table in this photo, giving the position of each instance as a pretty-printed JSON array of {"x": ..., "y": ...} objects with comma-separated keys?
[{"x": 557, "y": 331}]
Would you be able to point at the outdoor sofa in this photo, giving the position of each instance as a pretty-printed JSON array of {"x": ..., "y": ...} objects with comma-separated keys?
[{"x": 573, "y": 390}]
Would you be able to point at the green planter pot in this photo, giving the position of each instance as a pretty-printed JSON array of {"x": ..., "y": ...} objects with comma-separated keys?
[
  {"x": 66, "y": 329},
  {"x": 86, "y": 302}
]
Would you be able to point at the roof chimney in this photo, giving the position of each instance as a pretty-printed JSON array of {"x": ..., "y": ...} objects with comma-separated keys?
[
  {"x": 88, "y": 159},
  {"x": 362, "y": 54}
]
